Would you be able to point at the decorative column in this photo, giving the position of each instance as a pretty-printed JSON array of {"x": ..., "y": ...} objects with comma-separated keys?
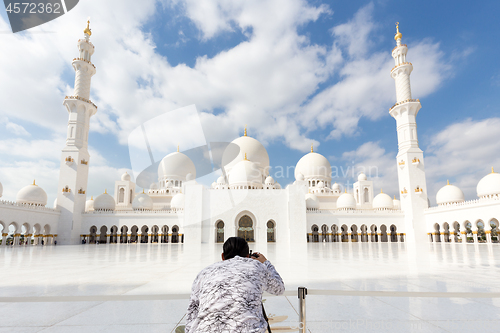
[
  {"x": 430, "y": 236},
  {"x": 4, "y": 239},
  {"x": 487, "y": 231},
  {"x": 464, "y": 236},
  {"x": 410, "y": 158},
  {"x": 474, "y": 235},
  {"x": 453, "y": 236}
]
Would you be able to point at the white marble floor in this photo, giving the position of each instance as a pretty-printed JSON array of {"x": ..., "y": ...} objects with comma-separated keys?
[{"x": 77, "y": 272}]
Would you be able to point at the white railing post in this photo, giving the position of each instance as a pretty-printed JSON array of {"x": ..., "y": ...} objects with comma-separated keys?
[{"x": 302, "y": 309}]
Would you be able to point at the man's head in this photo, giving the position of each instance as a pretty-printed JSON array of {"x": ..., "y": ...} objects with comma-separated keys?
[{"x": 235, "y": 246}]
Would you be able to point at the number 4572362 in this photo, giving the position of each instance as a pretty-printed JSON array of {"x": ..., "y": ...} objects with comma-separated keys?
[{"x": 33, "y": 8}]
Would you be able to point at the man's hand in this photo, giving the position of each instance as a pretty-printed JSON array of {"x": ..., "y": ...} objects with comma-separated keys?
[{"x": 260, "y": 257}]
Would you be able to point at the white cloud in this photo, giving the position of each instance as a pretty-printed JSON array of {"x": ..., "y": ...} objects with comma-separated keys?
[
  {"x": 13, "y": 128},
  {"x": 463, "y": 152},
  {"x": 376, "y": 163}
]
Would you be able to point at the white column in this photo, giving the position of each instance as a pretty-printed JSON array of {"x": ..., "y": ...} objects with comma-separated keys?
[
  {"x": 453, "y": 236},
  {"x": 488, "y": 234},
  {"x": 474, "y": 234},
  {"x": 4, "y": 239}
]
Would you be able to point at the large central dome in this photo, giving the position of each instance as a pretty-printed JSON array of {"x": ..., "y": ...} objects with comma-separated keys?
[
  {"x": 176, "y": 166},
  {"x": 253, "y": 149}
]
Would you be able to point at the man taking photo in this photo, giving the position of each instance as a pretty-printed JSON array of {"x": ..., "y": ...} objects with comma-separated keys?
[{"x": 227, "y": 296}]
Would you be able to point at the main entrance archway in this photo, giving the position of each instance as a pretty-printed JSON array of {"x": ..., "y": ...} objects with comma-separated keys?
[{"x": 245, "y": 228}]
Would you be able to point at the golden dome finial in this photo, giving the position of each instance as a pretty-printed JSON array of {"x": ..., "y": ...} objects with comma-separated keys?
[
  {"x": 34, "y": 182},
  {"x": 92, "y": 198},
  {"x": 142, "y": 191},
  {"x": 106, "y": 191},
  {"x": 246, "y": 157},
  {"x": 447, "y": 182},
  {"x": 177, "y": 148},
  {"x": 398, "y": 34},
  {"x": 492, "y": 170},
  {"x": 381, "y": 191},
  {"x": 394, "y": 197},
  {"x": 345, "y": 191},
  {"x": 87, "y": 29},
  {"x": 245, "y": 130},
  {"x": 312, "y": 147}
]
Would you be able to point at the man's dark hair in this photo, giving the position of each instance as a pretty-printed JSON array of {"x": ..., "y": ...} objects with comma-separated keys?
[{"x": 235, "y": 246}]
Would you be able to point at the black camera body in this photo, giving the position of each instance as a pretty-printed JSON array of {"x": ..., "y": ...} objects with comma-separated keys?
[{"x": 253, "y": 255}]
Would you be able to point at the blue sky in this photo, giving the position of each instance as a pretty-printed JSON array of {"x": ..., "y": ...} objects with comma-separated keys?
[{"x": 295, "y": 71}]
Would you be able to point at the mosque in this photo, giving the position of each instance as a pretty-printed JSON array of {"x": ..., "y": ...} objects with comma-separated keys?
[{"x": 246, "y": 201}]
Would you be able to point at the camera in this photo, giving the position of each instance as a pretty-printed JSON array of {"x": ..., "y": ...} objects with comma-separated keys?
[{"x": 253, "y": 255}]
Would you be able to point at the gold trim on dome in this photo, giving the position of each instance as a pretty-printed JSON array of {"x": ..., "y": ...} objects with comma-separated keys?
[
  {"x": 398, "y": 34},
  {"x": 87, "y": 29}
]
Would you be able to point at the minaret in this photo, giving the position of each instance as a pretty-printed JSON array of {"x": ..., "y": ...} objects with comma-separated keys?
[
  {"x": 410, "y": 158},
  {"x": 73, "y": 176}
]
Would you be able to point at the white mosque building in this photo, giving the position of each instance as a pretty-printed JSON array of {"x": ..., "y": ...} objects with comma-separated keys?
[{"x": 246, "y": 201}]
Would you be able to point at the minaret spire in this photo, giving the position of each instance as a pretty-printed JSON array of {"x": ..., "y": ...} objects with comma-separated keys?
[{"x": 410, "y": 158}]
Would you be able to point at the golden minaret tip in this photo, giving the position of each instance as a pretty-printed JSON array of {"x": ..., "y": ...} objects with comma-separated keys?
[
  {"x": 87, "y": 29},
  {"x": 448, "y": 182},
  {"x": 245, "y": 130},
  {"x": 492, "y": 170},
  {"x": 398, "y": 34}
]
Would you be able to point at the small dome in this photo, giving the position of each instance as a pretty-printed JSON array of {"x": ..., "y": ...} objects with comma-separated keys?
[
  {"x": 221, "y": 180},
  {"x": 126, "y": 177},
  {"x": 214, "y": 184},
  {"x": 299, "y": 176},
  {"x": 1, "y": 190},
  {"x": 346, "y": 201},
  {"x": 383, "y": 201},
  {"x": 396, "y": 203},
  {"x": 269, "y": 180},
  {"x": 189, "y": 177},
  {"x": 33, "y": 195},
  {"x": 177, "y": 202},
  {"x": 245, "y": 173},
  {"x": 104, "y": 202},
  {"x": 336, "y": 187},
  {"x": 314, "y": 166},
  {"x": 176, "y": 166},
  {"x": 153, "y": 186},
  {"x": 489, "y": 185},
  {"x": 142, "y": 201},
  {"x": 449, "y": 194},
  {"x": 312, "y": 201},
  {"x": 361, "y": 177},
  {"x": 320, "y": 185},
  {"x": 89, "y": 205},
  {"x": 277, "y": 186}
]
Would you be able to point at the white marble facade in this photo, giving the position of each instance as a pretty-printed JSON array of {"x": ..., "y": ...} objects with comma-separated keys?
[{"x": 246, "y": 200}]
